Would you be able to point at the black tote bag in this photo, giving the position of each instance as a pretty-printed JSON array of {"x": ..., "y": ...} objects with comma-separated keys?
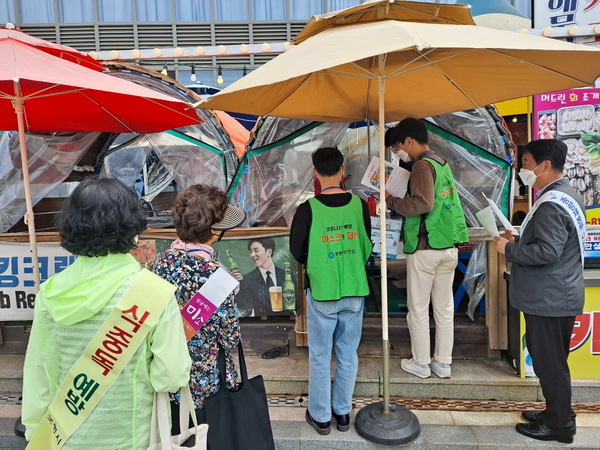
[{"x": 239, "y": 420}]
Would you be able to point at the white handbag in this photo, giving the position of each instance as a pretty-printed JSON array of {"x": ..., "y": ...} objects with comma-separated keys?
[{"x": 160, "y": 420}]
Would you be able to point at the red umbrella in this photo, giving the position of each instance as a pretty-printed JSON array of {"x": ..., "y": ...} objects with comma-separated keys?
[
  {"x": 46, "y": 87},
  {"x": 62, "y": 51}
]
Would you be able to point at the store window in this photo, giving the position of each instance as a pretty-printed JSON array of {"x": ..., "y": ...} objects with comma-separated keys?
[
  {"x": 76, "y": 11},
  {"x": 203, "y": 77},
  {"x": 305, "y": 9},
  {"x": 153, "y": 10},
  {"x": 37, "y": 11},
  {"x": 335, "y": 5},
  {"x": 268, "y": 10},
  {"x": 231, "y": 10},
  {"x": 229, "y": 76},
  {"x": 7, "y": 12},
  {"x": 115, "y": 11},
  {"x": 192, "y": 10}
]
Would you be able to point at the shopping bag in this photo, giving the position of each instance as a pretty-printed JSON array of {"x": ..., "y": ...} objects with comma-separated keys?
[
  {"x": 190, "y": 437},
  {"x": 239, "y": 419}
]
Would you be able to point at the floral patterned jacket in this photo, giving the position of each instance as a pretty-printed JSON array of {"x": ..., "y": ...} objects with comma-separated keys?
[{"x": 189, "y": 273}]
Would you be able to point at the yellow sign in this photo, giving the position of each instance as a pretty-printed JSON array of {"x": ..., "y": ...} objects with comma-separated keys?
[
  {"x": 584, "y": 358},
  {"x": 514, "y": 107}
]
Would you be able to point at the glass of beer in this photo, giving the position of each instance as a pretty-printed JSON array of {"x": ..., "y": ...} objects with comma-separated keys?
[{"x": 276, "y": 296}]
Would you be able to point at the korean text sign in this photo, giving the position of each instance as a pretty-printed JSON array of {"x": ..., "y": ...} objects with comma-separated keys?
[{"x": 17, "y": 291}]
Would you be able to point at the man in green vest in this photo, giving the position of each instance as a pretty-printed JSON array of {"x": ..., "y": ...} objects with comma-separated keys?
[
  {"x": 330, "y": 235},
  {"x": 434, "y": 223}
]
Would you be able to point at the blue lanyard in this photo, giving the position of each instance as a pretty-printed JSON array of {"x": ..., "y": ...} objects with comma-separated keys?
[
  {"x": 200, "y": 250},
  {"x": 331, "y": 187}
]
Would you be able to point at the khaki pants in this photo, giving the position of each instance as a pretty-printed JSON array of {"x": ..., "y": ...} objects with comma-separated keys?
[{"x": 430, "y": 274}]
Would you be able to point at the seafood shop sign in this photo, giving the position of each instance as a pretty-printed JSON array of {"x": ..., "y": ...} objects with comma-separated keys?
[
  {"x": 17, "y": 290},
  {"x": 574, "y": 117}
]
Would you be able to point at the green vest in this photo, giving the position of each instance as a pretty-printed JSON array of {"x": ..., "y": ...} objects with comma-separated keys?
[
  {"x": 445, "y": 223},
  {"x": 338, "y": 249}
]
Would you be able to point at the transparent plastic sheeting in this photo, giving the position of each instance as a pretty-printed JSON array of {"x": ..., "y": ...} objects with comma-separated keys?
[
  {"x": 476, "y": 172},
  {"x": 51, "y": 160},
  {"x": 275, "y": 178},
  {"x": 478, "y": 127},
  {"x": 474, "y": 279},
  {"x": 190, "y": 162}
]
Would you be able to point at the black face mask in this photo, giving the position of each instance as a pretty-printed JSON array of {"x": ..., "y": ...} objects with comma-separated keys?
[{"x": 221, "y": 236}]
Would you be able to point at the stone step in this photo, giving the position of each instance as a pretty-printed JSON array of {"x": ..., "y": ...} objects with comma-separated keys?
[{"x": 471, "y": 380}]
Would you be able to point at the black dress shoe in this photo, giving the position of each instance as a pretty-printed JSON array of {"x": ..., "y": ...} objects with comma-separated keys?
[
  {"x": 19, "y": 428},
  {"x": 320, "y": 427},
  {"x": 532, "y": 416},
  {"x": 343, "y": 421},
  {"x": 544, "y": 433}
]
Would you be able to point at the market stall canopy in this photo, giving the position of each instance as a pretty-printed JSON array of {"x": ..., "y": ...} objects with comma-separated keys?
[
  {"x": 42, "y": 92},
  {"x": 62, "y": 96},
  {"x": 388, "y": 9},
  {"x": 428, "y": 69}
]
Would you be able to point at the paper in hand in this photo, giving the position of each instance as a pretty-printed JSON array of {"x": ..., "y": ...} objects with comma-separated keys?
[
  {"x": 505, "y": 222},
  {"x": 486, "y": 218}
]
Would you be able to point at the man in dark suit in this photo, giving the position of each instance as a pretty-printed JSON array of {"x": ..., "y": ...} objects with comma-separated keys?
[{"x": 253, "y": 296}]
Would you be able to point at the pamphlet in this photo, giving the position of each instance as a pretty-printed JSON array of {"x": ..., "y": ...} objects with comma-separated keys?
[
  {"x": 206, "y": 301},
  {"x": 500, "y": 216},
  {"x": 486, "y": 218},
  {"x": 396, "y": 178}
]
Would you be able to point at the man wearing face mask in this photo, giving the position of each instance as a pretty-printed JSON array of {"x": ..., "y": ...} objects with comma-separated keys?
[
  {"x": 546, "y": 283},
  {"x": 434, "y": 223}
]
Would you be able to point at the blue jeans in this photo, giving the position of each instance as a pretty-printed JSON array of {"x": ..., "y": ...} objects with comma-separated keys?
[{"x": 338, "y": 322}]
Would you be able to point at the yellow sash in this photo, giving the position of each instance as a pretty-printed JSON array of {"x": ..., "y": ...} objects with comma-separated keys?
[{"x": 103, "y": 359}]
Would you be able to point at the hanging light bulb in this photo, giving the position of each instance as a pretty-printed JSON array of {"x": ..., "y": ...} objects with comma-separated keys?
[
  {"x": 193, "y": 75},
  {"x": 245, "y": 71},
  {"x": 164, "y": 70},
  {"x": 220, "y": 76}
]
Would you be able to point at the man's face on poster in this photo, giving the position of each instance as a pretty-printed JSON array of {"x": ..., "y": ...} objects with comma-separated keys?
[{"x": 260, "y": 255}]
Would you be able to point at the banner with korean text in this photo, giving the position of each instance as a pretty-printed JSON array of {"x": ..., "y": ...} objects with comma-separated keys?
[
  {"x": 584, "y": 357},
  {"x": 17, "y": 291}
]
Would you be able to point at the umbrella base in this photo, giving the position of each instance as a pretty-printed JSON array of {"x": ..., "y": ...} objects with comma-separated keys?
[{"x": 399, "y": 426}]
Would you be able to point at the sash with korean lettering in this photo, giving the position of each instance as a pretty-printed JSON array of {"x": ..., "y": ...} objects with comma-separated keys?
[
  {"x": 571, "y": 206},
  {"x": 113, "y": 345}
]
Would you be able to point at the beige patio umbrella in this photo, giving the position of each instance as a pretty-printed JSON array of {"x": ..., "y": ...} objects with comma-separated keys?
[
  {"x": 373, "y": 10},
  {"x": 388, "y": 70}
]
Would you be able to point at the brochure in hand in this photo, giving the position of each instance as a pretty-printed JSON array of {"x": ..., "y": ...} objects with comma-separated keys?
[{"x": 396, "y": 178}]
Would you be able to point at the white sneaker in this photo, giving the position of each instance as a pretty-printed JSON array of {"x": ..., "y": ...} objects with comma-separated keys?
[
  {"x": 412, "y": 367},
  {"x": 440, "y": 369}
]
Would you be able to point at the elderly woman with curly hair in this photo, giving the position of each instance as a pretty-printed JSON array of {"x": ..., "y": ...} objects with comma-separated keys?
[
  {"x": 202, "y": 215},
  {"x": 100, "y": 223}
]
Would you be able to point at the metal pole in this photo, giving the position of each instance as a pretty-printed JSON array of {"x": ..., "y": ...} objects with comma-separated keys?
[
  {"x": 29, "y": 219},
  {"x": 382, "y": 229}
]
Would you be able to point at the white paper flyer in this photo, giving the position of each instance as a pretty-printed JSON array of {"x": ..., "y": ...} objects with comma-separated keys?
[{"x": 396, "y": 178}]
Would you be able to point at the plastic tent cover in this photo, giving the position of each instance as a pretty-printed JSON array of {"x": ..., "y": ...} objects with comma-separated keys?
[
  {"x": 51, "y": 160},
  {"x": 274, "y": 178},
  {"x": 201, "y": 153}
]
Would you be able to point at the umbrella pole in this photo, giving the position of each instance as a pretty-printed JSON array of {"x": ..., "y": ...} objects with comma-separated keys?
[
  {"x": 29, "y": 219},
  {"x": 384, "y": 422}
]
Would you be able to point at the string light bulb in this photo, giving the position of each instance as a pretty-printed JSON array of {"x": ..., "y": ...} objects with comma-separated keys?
[
  {"x": 220, "y": 76},
  {"x": 164, "y": 70},
  {"x": 193, "y": 75}
]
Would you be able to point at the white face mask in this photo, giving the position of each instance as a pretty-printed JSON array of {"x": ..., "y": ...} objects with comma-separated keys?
[
  {"x": 528, "y": 177},
  {"x": 403, "y": 156}
]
